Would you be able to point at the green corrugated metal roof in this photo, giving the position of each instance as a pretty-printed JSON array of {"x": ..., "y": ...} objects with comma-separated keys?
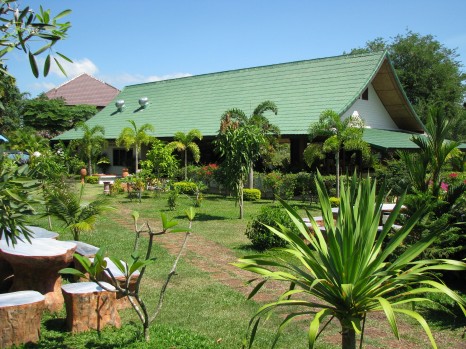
[
  {"x": 301, "y": 91},
  {"x": 384, "y": 139}
]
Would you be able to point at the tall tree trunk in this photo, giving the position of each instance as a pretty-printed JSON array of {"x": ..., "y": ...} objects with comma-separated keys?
[
  {"x": 241, "y": 201},
  {"x": 89, "y": 166},
  {"x": 185, "y": 164},
  {"x": 137, "y": 160},
  {"x": 348, "y": 338},
  {"x": 337, "y": 161},
  {"x": 251, "y": 176}
]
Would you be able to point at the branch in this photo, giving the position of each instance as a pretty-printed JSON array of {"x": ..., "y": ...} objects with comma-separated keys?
[{"x": 170, "y": 274}]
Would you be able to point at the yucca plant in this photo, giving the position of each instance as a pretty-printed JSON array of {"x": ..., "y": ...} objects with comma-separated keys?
[{"x": 346, "y": 269}]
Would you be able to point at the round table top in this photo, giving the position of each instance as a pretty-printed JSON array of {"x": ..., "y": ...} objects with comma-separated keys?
[
  {"x": 36, "y": 233},
  {"x": 37, "y": 248}
]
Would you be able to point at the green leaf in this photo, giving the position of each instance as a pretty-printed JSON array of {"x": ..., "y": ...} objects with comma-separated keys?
[
  {"x": 387, "y": 308},
  {"x": 47, "y": 66},
  {"x": 59, "y": 66},
  {"x": 191, "y": 213},
  {"x": 33, "y": 64},
  {"x": 421, "y": 321},
  {"x": 64, "y": 57},
  {"x": 62, "y": 14},
  {"x": 72, "y": 271}
]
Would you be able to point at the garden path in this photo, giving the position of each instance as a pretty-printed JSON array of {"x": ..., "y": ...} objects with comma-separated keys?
[{"x": 215, "y": 260}]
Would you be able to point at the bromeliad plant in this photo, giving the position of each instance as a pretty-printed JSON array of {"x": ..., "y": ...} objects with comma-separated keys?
[
  {"x": 136, "y": 263},
  {"x": 347, "y": 271}
]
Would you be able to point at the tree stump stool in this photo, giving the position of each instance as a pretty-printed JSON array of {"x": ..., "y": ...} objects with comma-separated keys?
[
  {"x": 122, "y": 301},
  {"x": 89, "y": 306},
  {"x": 20, "y": 316}
]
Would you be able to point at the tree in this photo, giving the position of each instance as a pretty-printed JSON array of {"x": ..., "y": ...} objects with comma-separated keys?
[
  {"x": 11, "y": 101},
  {"x": 25, "y": 139},
  {"x": 33, "y": 33},
  {"x": 160, "y": 161},
  {"x": 341, "y": 134},
  {"x": 184, "y": 142},
  {"x": 238, "y": 147},
  {"x": 53, "y": 116},
  {"x": 135, "y": 137},
  {"x": 91, "y": 143},
  {"x": 237, "y": 118},
  {"x": 348, "y": 272},
  {"x": 425, "y": 166},
  {"x": 429, "y": 72}
]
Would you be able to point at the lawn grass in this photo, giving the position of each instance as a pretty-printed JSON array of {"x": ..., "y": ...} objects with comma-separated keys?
[{"x": 199, "y": 311}]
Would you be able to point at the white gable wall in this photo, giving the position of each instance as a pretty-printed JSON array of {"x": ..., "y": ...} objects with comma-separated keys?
[{"x": 372, "y": 112}]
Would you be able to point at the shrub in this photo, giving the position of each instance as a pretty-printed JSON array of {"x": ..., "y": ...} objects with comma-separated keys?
[
  {"x": 92, "y": 179},
  {"x": 172, "y": 199},
  {"x": 251, "y": 194},
  {"x": 273, "y": 181},
  {"x": 334, "y": 202},
  {"x": 288, "y": 186},
  {"x": 261, "y": 237},
  {"x": 117, "y": 186},
  {"x": 189, "y": 188},
  {"x": 304, "y": 185}
]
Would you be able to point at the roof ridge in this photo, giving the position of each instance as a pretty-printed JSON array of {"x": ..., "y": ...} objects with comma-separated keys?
[
  {"x": 77, "y": 76},
  {"x": 342, "y": 56}
]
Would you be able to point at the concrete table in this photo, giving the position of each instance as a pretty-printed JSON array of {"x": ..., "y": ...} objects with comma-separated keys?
[{"x": 36, "y": 265}]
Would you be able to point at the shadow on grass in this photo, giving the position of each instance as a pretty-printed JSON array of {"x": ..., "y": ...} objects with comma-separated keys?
[
  {"x": 202, "y": 217},
  {"x": 443, "y": 319}
]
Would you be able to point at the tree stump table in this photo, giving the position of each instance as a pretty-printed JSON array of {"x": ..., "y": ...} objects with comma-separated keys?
[
  {"x": 36, "y": 265},
  {"x": 89, "y": 306},
  {"x": 20, "y": 316},
  {"x": 6, "y": 271}
]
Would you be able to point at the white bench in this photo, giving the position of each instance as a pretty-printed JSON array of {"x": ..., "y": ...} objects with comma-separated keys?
[{"x": 107, "y": 178}]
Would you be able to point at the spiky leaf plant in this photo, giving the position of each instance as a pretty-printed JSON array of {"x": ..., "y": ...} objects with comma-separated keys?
[{"x": 344, "y": 273}]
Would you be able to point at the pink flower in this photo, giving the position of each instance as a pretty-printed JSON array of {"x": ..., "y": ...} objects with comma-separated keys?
[{"x": 444, "y": 186}]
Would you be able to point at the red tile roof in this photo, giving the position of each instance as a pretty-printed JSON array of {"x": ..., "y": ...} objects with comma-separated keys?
[{"x": 84, "y": 89}]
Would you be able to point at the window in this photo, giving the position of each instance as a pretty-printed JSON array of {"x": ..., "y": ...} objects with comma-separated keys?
[{"x": 122, "y": 157}]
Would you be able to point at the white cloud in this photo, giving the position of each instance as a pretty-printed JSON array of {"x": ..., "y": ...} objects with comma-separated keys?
[{"x": 78, "y": 67}]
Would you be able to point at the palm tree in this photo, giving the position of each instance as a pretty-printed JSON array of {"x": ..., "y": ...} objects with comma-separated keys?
[
  {"x": 350, "y": 271},
  {"x": 134, "y": 136},
  {"x": 91, "y": 143},
  {"x": 184, "y": 142},
  {"x": 425, "y": 166},
  {"x": 341, "y": 134},
  {"x": 237, "y": 118},
  {"x": 68, "y": 207}
]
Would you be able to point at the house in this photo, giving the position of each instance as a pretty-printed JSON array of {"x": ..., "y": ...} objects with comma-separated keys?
[
  {"x": 366, "y": 83},
  {"x": 84, "y": 89}
]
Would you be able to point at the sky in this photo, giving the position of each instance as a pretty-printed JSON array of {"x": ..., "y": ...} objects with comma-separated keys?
[{"x": 129, "y": 42}]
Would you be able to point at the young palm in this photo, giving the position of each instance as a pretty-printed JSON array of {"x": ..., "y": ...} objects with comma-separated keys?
[
  {"x": 184, "y": 142},
  {"x": 134, "y": 136},
  {"x": 91, "y": 143},
  {"x": 68, "y": 207},
  {"x": 340, "y": 134},
  {"x": 234, "y": 118},
  {"x": 347, "y": 272}
]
